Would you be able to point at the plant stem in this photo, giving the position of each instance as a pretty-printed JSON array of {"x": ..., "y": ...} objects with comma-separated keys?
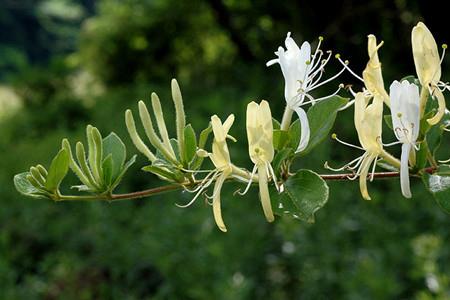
[
  {"x": 174, "y": 187},
  {"x": 118, "y": 197}
]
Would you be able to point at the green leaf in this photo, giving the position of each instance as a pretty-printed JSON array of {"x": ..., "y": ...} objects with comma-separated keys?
[
  {"x": 321, "y": 120},
  {"x": 305, "y": 193},
  {"x": 276, "y": 125},
  {"x": 421, "y": 157},
  {"x": 57, "y": 171},
  {"x": 388, "y": 121},
  {"x": 198, "y": 160},
  {"x": 161, "y": 172},
  {"x": 280, "y": 157},
  {"x": 294, "y": 134},
  {"x": 280, "y": 138},
  {"x": 122, "y": 172},
  {"x": 108, "y": 167},
  {"x": 434, "y": 135},
  {"x": 439, "y": 186},
  {"x": 24, "y": 186},
  {"x": 190, "y": 143},
  {"x": 204, "y": 136},
  {"x": 175, "y": 148},
  {"x": 113, "y": 145}
]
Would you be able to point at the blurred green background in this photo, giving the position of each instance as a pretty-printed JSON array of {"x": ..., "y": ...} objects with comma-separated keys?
[{"x": 65, "y": 64}]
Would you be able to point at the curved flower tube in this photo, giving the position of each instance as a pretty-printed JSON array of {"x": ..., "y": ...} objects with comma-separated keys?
[{"x": 406, "y": 122}]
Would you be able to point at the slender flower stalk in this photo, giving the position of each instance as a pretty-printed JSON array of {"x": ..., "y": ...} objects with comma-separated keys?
[
  {"x": 302, "y": 73},
  {"x": 406, "y": 121}
]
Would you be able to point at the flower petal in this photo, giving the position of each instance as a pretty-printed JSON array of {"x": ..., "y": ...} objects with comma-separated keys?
[
  {"x": 264, "y": 192},
  {"x": 426, "y": 55},
  {"x": 404, "y": 171},
  {"x": 217, "y": 211},
  {"x": 305, "y": 131},
  {"x": 365, "y": 166},
  {"x": 373, "y": 78},
  {"x": 441, "y": 107}
]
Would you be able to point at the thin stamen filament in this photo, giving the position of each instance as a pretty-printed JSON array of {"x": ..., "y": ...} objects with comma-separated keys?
[
  {"x": 350, "y": 70},
  {"x": 348, "y": 144}
]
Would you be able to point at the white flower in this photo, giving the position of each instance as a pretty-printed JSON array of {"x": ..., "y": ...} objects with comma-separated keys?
[
  {"x": 405, "y": 109},
  {"x": 302, "y": 73}
]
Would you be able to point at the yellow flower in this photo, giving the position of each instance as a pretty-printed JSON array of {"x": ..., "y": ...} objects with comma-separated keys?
[
  {"x": 368, "y": 123},
  {"x": 373, "y": 78},
  {"x": 260, "y": 147},
  {"x": 220, "y": 157},
  {"x": 428, "y": 68}
]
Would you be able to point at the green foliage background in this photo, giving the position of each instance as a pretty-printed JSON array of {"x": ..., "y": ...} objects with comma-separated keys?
[{"x": 67, "y": 63}]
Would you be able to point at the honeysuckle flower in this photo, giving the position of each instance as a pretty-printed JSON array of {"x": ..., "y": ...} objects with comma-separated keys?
[
  {"x": 368, "y": 124},
  {"x": 302, "y": 73},
  {"x": 220, "y": 157},
  {"x": 428, "y": 68},
  {"x": 260, "y": 147},
  {"x": 372, "y": 76},
  {"x": 406, "y": 121}
]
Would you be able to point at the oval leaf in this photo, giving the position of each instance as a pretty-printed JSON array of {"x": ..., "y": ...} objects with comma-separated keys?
[
  {"x": 24, "y": 187},
  {"x": 304, "y": 194}
]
